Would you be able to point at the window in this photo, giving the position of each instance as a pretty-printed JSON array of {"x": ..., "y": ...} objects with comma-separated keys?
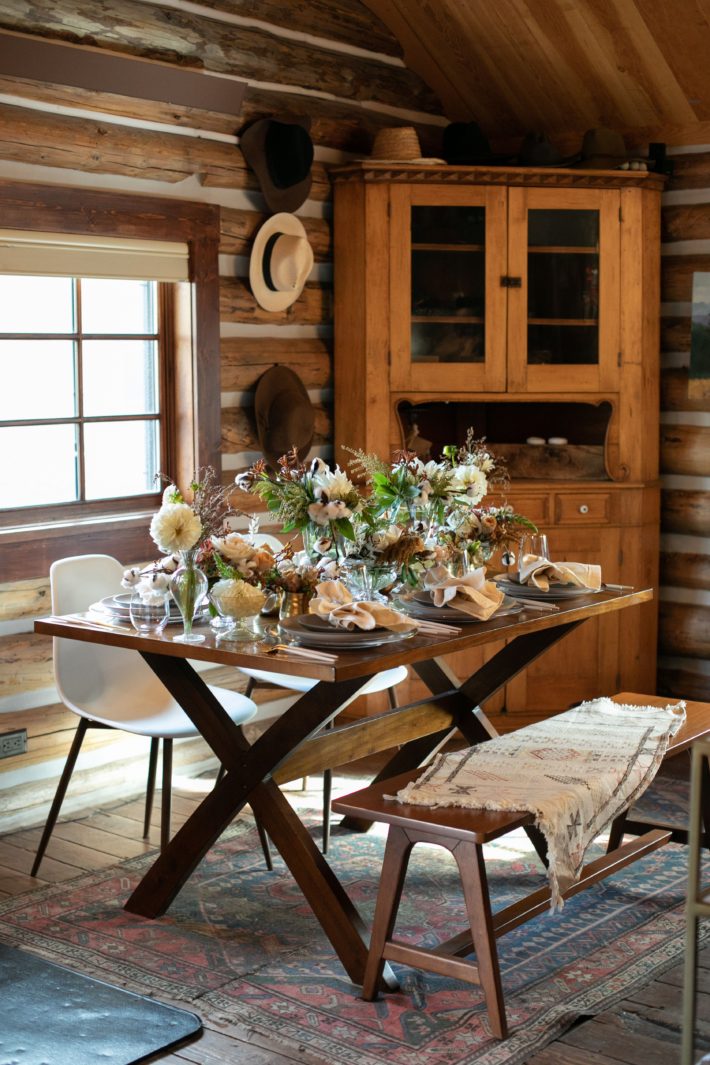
[
  {"x": 84, "y": 364},
  {"x": 106, "y": 377}
]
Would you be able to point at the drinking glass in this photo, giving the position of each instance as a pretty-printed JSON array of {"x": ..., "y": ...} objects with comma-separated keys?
[
  {"x": 533, "y": 545},
  {"x": 149, "y": 615}
]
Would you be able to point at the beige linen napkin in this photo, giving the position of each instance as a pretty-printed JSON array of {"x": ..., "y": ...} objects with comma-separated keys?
[
  {"x": 541, "y": 573},
  {"x": 333, "y": 601},
  {"x": 472, "y": 593}
]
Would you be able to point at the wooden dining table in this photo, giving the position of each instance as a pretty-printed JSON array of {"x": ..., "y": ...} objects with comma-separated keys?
[{"x": 307, "y": 738}]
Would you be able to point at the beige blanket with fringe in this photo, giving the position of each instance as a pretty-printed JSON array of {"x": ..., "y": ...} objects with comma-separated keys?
[{"x": 575, "y": 772}]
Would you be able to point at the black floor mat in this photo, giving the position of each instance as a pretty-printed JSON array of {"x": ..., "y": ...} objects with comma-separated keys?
[{"x": 53, "y": 1016}]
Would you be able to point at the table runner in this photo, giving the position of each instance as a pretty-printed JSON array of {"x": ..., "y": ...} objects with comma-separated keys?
[{"x": 575, "y": 772}]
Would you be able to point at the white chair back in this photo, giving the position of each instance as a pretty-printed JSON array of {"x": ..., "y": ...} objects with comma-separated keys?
[{"x": 104, "y": 683}]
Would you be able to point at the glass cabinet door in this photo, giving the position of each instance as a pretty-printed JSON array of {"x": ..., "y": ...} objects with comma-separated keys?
[
  {"x": 447, "y": 308},
  {"x": 563, "y": 285}
]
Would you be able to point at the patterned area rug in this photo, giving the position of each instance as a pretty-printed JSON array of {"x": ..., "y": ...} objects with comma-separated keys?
[{"x": 240, "y": 946}]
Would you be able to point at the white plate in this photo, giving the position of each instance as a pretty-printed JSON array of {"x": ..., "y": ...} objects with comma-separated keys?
[
  {"x": 428, "y": 612},
  {"x": 529, "y": 591},
  {"x": 341, "y": 639},
  {"x": 118, "y": 606}
]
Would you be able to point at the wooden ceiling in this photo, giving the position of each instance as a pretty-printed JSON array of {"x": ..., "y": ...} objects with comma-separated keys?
[{"x": 561, "y": 66}]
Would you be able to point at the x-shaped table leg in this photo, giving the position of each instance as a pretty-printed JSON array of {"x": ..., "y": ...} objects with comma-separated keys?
[{"x": 248, "y": 779}]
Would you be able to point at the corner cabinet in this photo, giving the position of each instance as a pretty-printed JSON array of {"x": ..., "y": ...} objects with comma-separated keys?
[{"x": 525, "y": 303}]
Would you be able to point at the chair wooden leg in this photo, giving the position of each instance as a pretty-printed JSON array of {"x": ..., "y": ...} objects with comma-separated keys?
[
  {"x": 166, "y": 798},
  {"x": 394, "y": 869},
  {"x": 616, "y": 832},
  {"x": 264, "y": 840},
  {"x": 392, "y": 696},
  {"x": 150, "y": 786},
  {"x": 251, "y": 684},
  {"x": 469, "y": 858},
  {"x": 60, "y": 792}
]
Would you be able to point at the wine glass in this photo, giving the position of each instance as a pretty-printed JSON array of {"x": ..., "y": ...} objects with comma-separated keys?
[{"x": 533, "y": 546}]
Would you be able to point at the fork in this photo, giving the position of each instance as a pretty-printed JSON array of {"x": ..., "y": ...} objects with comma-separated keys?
[{"x": 304, "y": 652}]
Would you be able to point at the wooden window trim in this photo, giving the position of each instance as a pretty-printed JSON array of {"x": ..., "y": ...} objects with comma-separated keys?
[{"x": 27, "y": 550}]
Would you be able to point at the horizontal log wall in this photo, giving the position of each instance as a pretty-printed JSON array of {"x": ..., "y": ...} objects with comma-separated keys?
[
  {"x": 68, "y": 136},
  {"x": 684, "y": 630}
]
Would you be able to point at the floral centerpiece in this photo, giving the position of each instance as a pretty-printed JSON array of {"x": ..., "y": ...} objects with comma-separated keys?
[{"x": 315, "y": 500}]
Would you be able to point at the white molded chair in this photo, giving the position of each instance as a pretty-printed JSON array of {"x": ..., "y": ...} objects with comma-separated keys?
[
  {"x": 112, "y": 687},
  {"x": 387, "y": 681}
]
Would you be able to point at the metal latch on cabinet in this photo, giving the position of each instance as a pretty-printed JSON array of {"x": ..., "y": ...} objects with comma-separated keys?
[{"x": 511, "y": 282}]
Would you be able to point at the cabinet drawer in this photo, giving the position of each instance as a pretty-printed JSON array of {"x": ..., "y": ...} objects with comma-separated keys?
[
  {"x": 536, "y": 508},
  {"x": 583, "y": 507}
]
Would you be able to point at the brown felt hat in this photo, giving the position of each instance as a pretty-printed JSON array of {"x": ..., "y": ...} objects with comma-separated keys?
[
  {"x": 279, "y": 150},
  {"x": 604, "y": 149},
  {"x": 284, "y": 414}
]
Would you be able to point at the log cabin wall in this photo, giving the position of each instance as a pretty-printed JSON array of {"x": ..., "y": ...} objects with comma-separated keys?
[
  {"x": 684, "y": 617},
  {"x": 333, "y": 61}
]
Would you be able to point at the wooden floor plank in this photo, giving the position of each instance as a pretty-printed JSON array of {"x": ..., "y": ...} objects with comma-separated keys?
[
  {"x": 563, "y": 1054},
  {"x": 625, "y": 1038},
  {"x": 218, "y": 1048},
  {"x": 64, "y": 850},
  {"x": 127, "y": 827},
  {"x": 20, "y": 860}
]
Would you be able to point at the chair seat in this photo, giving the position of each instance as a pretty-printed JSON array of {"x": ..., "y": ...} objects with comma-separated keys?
[
  {"x": 165, "y": 718},
  {"x": 388, "y": 678}
]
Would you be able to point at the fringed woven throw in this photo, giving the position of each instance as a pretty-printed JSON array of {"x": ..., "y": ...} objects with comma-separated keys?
[{"x": 575, "y": 772}]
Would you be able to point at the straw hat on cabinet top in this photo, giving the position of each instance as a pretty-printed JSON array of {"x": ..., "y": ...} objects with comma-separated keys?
[
  {"x": 281, "y": 260},
  {"x": 399, "y": 144}
]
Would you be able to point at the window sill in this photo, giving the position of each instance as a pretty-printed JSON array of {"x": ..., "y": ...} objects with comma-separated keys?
[{"x": 27, "y": 551}]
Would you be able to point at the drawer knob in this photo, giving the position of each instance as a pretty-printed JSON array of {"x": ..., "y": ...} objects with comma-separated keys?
[{"x": 583, "y": 508}]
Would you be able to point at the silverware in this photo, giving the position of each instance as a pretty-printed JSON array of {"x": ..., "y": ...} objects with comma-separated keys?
[
  {"x": 79, "y": 622},
  {"x": 303, "y": 652},
  {"x": 619, "y": 587},
  {"x": 535, "y": 604}
]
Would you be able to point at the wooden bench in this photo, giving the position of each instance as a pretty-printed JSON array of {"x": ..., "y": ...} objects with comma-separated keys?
[{"x": 463, "y": 832}]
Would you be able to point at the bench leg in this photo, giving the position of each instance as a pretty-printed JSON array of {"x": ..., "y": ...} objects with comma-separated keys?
[
  {"x": 394, "y": 869},
  {"x": 472, "y": 869}
]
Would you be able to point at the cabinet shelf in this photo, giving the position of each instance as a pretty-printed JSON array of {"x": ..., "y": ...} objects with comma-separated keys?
[
  {"x": 447, "y": 318},
  {"x": 448, "y": 247},
  {"x": 561, "y": 249},
  {"x": 591, "y": 322}
]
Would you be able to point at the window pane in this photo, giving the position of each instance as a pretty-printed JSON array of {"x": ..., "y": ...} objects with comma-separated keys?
[
  {"x": 38, "y": 379},
  {"x": 36, "y": 304},
  {"x": 112, "y": 306},
  {"x": 47, "y": 472},
  {"x": 120, "y": 377},
  {"x": 121, "y": 459}
]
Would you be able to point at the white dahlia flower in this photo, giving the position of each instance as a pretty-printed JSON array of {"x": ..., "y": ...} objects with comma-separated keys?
[{"x": 175, "y": 527}]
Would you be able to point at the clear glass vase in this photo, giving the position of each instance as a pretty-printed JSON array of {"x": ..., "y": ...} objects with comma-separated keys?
[
  {"x": 188, "y": 587},
  {"x": 368, "y": 580}
]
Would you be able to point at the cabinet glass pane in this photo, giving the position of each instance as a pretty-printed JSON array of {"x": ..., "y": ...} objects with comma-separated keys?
[
  {"x": 563, "y": 287},
  {"x": 448, "y": 284}
]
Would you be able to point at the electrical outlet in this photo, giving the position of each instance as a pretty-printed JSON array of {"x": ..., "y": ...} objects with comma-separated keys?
[{"x": 13, "y": 743}]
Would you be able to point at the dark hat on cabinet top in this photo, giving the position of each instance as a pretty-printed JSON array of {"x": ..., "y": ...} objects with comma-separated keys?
[
  {"x": 279, "y": 150},
  {"x": 465, "y": 144},
  {"x": 537, "y": 150},
  {"x": 604, "y": 149},
  {"x": 284, "y": 414}
]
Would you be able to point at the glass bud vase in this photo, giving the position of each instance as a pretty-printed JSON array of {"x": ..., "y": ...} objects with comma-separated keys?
[{"x": 188, "y": 586}]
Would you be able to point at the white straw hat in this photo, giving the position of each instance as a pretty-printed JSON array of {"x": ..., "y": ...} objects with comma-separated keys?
[{"x": 281, "y": 260}]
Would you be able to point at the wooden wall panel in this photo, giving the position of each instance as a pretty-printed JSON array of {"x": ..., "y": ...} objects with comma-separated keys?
[
  {"x": 313, "y": 307},
  {"x": 173, "y": 35},
  {"x": 685, "y": 444},
  {"x": 245, "y": 359},
  {"x": 238, "y": 229}
]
